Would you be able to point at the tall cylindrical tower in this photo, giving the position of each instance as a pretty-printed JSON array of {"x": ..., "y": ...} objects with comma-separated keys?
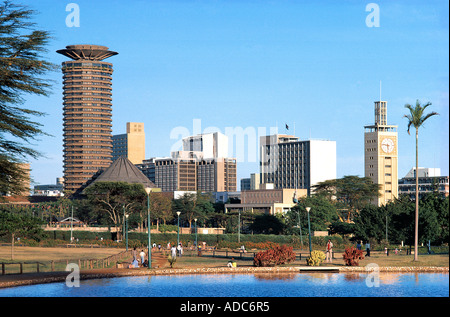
[{"x": 87, "y": 113}]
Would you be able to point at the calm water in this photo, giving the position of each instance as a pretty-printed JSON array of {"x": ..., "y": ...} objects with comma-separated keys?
[{"x": 249, "y": 285}]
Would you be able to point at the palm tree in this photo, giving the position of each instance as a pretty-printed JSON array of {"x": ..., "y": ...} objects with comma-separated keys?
[{"x": 416, "y": 118}]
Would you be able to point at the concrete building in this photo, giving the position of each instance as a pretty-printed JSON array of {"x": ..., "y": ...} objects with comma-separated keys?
[
  {"x": 381, "y": 154},
  {"x": 50, "y": 189},
  {"x": 198, "y": 166},
  {"x": 130, "y": 144},
  {"x": 87, "y": 109},
  {"x": 267, "y": 201},
  {"x": 211, "y": 145},
  {"x": 191, "y": 174},
  {"x": 224, "y": 197},
  {"x": 255, "y": 181},
  {"x": 245, "y": 184},
  {"x": 430, "y": 180},
  {"x": 176, "y": 174},
  {"x": 288, "y": 162}
]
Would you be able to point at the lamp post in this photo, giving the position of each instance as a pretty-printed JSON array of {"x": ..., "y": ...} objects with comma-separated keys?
[
  {"x": 195, "y": 232},
  {"x": 309, "y": 229},
  {"x": 149, "y": 254},
  {"x": 71, "y": 227},
  {"x": 126, "y": 230},
  {"x": 239, "y": 227},
  {"x": 178, "y": 232}
]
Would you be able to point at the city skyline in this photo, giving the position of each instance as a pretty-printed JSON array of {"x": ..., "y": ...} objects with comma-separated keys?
[{"x": 258, "y": 65}]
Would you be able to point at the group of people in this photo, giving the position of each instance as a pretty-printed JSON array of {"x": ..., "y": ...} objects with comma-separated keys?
[
  {"x": 329, "y": 250},
  {"x": 176, "y": 251},
  {"x": 359, "y": 247},
  {"x": 135, "y": 262}
]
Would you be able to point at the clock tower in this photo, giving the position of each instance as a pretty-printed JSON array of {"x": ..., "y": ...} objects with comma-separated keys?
[{"x": 381, "y": 154}]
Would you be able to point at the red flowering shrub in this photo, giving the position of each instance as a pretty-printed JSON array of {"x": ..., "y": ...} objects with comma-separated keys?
[
  {"x": 275, "y": 256},
  {"x": 352, "y": 256}
]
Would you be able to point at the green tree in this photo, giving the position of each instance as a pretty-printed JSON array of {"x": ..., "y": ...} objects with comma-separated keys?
[
  {"x": 160, "y": 207},
  {"x": 416, "y": 118},
  {"x": 267, "y": 224},
  {"x": 19, "y": 224},
  {"x": 442, "y": 209},
  {"x": 185, "y": 205},
  {"x": 194, "y": 206},
  {"x": 430, "y": 220},
  {"x": 341, "y": 228},
  {"x": 21, "y": 69},
  {"x": 400, "y": 215},
  {"x": 115, "y": 199},
  {"x": 84, "y": 211},
  {"x": 349, "y": 193},
  {"x": 322, "y": 214},
  {"x": 370, "y": 223}
]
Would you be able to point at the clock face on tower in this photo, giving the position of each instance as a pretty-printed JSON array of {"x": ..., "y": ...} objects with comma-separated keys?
[{"x": 387, "y": 145}]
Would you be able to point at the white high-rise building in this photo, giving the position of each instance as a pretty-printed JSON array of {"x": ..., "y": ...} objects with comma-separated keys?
[
  {"x": 203, "y": 165},
  {"x": 288, "y": 162},
  {"x": 212, "y": 145}
]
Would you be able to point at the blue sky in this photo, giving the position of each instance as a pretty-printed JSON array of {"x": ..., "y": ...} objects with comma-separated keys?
[{"x": 256, "y": 65}]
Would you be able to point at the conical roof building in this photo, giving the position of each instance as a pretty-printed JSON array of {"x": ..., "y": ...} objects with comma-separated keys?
[{"x": 122, "y": 170}]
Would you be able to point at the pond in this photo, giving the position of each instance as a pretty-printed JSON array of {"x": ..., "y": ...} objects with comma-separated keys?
[{"x": 249, "y": 285}]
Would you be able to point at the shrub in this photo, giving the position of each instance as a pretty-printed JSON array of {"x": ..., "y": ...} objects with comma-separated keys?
[
  {"x": 315, "y": 258},
  {"x": 352, "y": 256},
  {"x": 277, "y": 255}
]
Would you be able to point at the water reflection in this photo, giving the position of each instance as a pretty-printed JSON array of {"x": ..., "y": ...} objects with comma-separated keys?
[
  {"x": 321, "y": 278},
  {"x": 354, "y": 277},
  {"x": 275, "y": 276},
  {"x": 248, "y": 285}
]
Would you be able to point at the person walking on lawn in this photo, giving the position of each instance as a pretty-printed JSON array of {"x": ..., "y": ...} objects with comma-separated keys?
[{"x": 329, "y": 251}]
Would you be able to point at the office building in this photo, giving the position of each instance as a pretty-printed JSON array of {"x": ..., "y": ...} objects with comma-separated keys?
[
  {"x": 221, "y": 176},
  {"x": 211, "y": 145},
  {"x": 191, "y": 174},
  {"x": 430, "y": 180},
  {"x": 87, "y": 110},
  {"x": 245, "y": 184},
  {"x": 198, "y": 167},
  {"x": 130, "y": 144},
  {"x": 176, "y": 174},
  {"x": 267, "y": 201},
  {"x": 288, "y": 162},
  {"x": 50, "y": 189},
  {"x": 381, "y": 154}
]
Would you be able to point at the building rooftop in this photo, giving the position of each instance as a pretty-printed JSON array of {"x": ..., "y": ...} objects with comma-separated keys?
[
  {"x": 122, "y": 170},
  {"x": 87, "y": 52}
]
